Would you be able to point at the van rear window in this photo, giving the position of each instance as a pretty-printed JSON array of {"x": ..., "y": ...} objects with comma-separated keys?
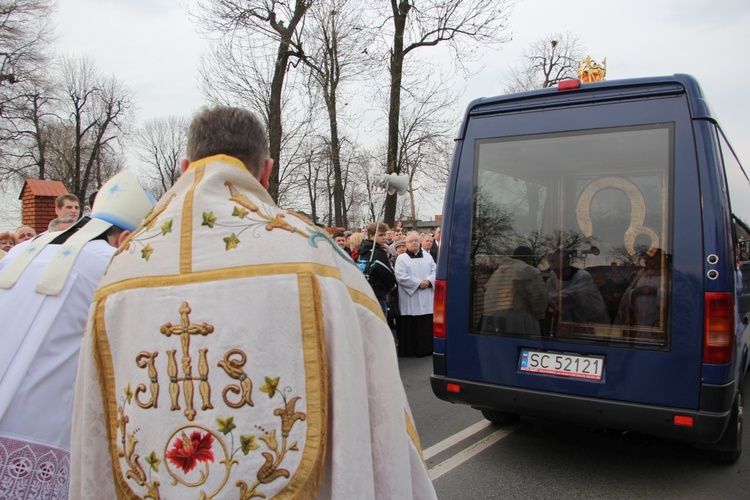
[{"x": 570, "y": 235}]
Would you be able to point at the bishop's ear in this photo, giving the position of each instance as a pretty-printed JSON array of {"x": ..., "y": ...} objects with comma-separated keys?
[{"x": 121, "y": 238}]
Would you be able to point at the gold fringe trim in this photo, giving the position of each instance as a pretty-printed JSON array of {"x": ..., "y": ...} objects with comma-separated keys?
[
  {"x": 412, "y": 432},
  {"x": 306, "y": 480},
  {"x": 103, "y": 358}
]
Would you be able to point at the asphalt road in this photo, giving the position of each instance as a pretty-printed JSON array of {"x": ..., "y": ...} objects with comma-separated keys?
[{"x": 539, "y": 459}]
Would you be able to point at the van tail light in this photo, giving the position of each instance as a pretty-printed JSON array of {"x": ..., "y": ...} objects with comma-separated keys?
[
  {"x": 438, "y": 315},
  {"x": 718, "y": 328},
  {"x": 683, "y": 420}
]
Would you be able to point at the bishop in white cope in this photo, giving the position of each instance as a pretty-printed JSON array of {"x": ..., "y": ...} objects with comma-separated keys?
[{"x": 46, "y": 286}]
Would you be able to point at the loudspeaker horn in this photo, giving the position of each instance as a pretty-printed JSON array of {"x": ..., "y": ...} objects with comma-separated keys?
[{"x": 392, "y": 183}]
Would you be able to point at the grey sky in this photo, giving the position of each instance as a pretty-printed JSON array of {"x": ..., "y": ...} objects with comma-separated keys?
[{"x": 154, "y": 48}]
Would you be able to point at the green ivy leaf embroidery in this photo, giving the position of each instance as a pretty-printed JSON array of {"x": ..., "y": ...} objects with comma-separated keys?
[
  {"x": 153, "y": 461},
  {"x": 208, "y": 219},
  {"x": 166, "y": 227},
  {"x": 226, "y": 425},
  {"x": 147, "y": 251},
  {"x": 271, "y": 386},
  {"x": 231, "y": 241},
  {"x": 240, "y": 212},
  {"x": 248, "y": 443}
]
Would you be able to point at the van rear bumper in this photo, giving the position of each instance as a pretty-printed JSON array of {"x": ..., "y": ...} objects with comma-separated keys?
[{"x": 708, "y": 426}]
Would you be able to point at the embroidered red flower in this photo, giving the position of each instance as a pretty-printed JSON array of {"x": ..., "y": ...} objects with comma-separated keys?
[{"x": 187, "y": 452}]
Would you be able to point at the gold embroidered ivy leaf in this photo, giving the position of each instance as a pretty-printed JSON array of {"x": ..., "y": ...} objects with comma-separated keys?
[
  {"x": 248, "y": 443},
  {"x": 153, "y": 461},
  {"x": 226, "y": 425},
  {"x": 271, "y": 386},
  {"x": 166, "y": 227},
  {"x": 128, "y": 394},
  {"x": 270, "y": 440},
  {"x": 240, "y": 212},
  {"x": 147, "y": 251},
  {"x": 293, "y": 447},
  {"x": 208, "y": 219},
  {"x": 231, "y": 241}
]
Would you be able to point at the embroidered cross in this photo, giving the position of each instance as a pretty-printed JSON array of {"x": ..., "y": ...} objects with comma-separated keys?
[{"x": 185, "y": 330}]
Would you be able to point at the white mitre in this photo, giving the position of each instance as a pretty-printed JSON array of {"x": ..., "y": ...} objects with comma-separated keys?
[{"x": 120, "y": 202}]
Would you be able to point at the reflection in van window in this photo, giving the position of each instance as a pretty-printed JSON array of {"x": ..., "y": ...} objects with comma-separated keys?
[
  {"x": 570, "y": 235},
  {"x": 737, "y": 182}
]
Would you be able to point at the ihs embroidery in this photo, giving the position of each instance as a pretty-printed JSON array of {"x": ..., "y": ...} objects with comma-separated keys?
[
  {"x": 192, "y": 451},
  {"x": 185, "y": 330}
]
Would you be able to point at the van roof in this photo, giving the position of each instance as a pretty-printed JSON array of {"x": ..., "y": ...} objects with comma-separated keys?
[{"x": 594, "y": 92}]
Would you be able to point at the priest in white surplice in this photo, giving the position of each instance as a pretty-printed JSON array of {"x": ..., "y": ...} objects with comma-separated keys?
[
  {"x": 415, "y": 273},
  {"x": 234, "y": 351},
  {"x": 46, "y": 287}
]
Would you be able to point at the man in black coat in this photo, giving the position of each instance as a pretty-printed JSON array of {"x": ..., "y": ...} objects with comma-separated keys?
[
  {"x": 381, "y": 277},
  {"x": 435, "y": 245}
]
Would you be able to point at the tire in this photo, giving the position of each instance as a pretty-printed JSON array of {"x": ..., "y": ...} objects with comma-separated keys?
[
  {"x": 501, "y": 417},
  {"x": 729, "y": 447}
]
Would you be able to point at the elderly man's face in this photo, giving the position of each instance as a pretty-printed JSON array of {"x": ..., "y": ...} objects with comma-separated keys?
[
  {"x": 24, "y": 233},
  {"x": 412, "y": 243},
  {"x": 69, "y": 208},
  {"x": 400, "y": 249}
]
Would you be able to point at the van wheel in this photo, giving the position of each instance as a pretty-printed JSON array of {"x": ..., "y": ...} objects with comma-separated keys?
[
  {"x": 729, "y": 447},
  {"x": 501, "y": 417}
]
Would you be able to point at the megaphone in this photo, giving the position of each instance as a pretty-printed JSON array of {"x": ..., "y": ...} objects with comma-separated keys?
[{"x": 392, "y": 183}]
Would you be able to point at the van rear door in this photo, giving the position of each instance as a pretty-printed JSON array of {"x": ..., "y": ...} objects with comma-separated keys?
[{"x": 565, "y": 248}]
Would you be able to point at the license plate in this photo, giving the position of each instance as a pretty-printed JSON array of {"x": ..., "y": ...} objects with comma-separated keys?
[{"x": 565, "y": 365}]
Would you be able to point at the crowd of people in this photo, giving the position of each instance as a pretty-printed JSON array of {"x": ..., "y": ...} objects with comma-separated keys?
[
  {"x": 400, "y": 267},
  {"x": 282, "y": 380}
]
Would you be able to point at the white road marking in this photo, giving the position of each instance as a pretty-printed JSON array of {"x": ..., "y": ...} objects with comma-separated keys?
[
  {"x": 456, "y": 438},
  {"x": 467, "y": 453}
]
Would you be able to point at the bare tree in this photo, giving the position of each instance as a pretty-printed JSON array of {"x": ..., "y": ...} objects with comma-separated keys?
[
  {"x": 422, "y": 136},
  {"x": 491, "y": 226},
  {"x": 25, "y": 38},
  {"x": 309, "y": 173},
  {"x": 266, "y": 26},
  {"x": 96, "y": 110},
  {"x": 546, "y": 62},
  {"x": 25, "y": 152},
  {"x": 161, "y": 144},
  {"x": 332, "y": 56},
  {"x": 461, "y": 24},
  {"x": 25, "y": 35}
]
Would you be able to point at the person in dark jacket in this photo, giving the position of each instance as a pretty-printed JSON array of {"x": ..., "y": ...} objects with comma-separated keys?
[{"x": 380, "y": 272}]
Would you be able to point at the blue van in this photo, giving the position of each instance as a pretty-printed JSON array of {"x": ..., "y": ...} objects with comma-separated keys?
[{"x": 592, "y": 266}]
